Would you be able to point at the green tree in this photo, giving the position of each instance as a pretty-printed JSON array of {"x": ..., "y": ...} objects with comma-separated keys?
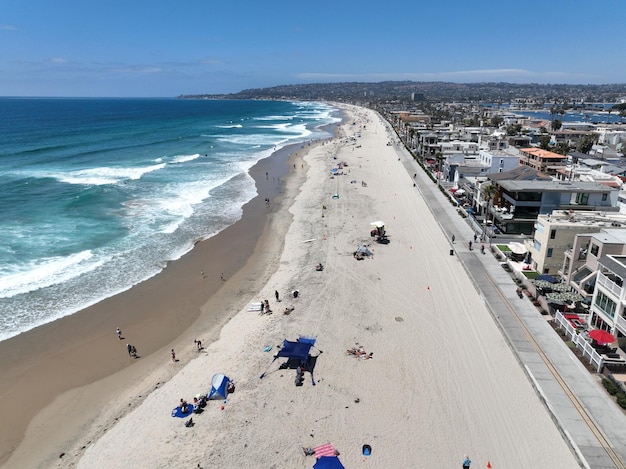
[
  {"x": 586, "y": 143},
  {"x": 513, "y": 129},
  {"x": 562, "y": 148},
  {"x": 439, "y": 158},
  {"x": 497, "y": 120},
  {"x": 556, "y": 124},
  {"x": 544, "y": 142},
  {"x": 489, "y": 192}
]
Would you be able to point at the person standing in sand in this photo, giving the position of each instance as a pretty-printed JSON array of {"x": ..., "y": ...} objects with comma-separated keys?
[
  {"x": 276, "y": 295},
  {"x": 466, "y": 463},
  {"x": 173, "y": 356},
  {"x": 118, "y": 331}
]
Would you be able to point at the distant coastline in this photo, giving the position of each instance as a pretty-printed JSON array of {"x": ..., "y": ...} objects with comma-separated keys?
[{"x": 402, "y": 91}]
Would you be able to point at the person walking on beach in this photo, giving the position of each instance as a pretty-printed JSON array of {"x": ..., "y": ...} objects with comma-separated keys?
[
  {"x": 198, "y": 344},
  {"x": 118, "y": 331},
  {"x": 276, "y": 295},
  {"x": 130, "y": 349},
  {"x": 453, "y": 238},
  {"x": 173, "y": 356},
  {"x": 466, "y": 463},
  {"x": 470, "y": 245}
]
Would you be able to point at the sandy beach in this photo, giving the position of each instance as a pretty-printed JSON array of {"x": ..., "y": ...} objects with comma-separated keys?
[{"x": 442, "y": 382}]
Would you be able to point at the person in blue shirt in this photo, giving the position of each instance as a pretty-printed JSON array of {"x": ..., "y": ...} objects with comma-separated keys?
[{"x": 466, "y": 463}]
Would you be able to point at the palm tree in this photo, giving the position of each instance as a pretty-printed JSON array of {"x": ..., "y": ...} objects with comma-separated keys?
[
  {"x": 489, "y": 193},
  {"x": 439, "y": 158}
]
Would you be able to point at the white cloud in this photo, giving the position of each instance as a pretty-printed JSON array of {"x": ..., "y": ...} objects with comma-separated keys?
[
  {"x": 7, "y": 27},
  {"x": 58, "y": 60}
]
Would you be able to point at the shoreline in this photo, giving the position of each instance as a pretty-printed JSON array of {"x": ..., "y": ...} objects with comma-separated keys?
[{"x": 49, "y": 365}]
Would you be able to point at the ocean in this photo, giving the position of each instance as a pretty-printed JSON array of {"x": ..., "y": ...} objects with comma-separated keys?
[{"x": 98, "y": 195}]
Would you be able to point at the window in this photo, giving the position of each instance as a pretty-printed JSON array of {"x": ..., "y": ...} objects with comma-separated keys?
[
  {"x": 537, "y": 245},
  {"x": 605, "y": 304},
  {"x": 552, "y": 234},
  {"x": 550, "y": 250},
  {"x": 594, "y": 249},
  {"x": 582, "y": 198},
  {"x": 605, "y": 196},
  {"x": 546, "y": 271}
]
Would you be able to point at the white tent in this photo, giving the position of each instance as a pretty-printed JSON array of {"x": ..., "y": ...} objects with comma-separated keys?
[{"x": 363, "y": 250}]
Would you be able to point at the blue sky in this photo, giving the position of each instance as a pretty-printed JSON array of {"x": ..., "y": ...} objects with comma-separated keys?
[{"x": 166, "y": 48}]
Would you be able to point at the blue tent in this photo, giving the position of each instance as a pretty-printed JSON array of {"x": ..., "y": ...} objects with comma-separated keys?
[
  {"x": 298, "y": 351},
  {"x": 328, "y": 462},
  {"x": 219, "y": 386}
]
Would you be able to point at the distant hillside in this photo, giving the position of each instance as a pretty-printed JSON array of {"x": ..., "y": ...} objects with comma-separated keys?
[{"x": 430, "y": 91}]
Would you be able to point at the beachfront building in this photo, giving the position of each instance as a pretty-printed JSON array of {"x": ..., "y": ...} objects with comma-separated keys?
[
  {"x": 580, "y": 264},
  {"x": 609, "y": 298},
  {"x": 482, "y": 201},
  {"x": 518, "y": 203},
  {"x": 556, "y": 232},
  {"x": 542, "y": 160}
]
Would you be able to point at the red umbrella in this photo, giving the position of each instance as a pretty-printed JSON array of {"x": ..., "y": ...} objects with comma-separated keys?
[{"x": 602, "y": 337}]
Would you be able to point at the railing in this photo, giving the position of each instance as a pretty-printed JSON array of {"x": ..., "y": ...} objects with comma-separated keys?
[
  {"x": 610, "y": 285},
  {"x": 585, "y": 347},
  {"x": 620, "y": 323}
]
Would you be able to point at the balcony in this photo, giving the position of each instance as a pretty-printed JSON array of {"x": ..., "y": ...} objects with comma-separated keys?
[
  {"x": 620, "y": 324},
  {"x": 610, "y": 286}
]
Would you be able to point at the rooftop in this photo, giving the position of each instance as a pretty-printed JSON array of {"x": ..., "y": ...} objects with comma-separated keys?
[{"x": 552, "y": 186}]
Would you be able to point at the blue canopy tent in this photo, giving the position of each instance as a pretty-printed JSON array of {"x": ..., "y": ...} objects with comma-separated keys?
[
  {"x": 297, "y": 352},
  {"x": 328, "y": 462}
]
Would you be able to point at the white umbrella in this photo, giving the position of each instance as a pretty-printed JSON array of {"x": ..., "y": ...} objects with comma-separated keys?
[{"x": 378, "y": 224}]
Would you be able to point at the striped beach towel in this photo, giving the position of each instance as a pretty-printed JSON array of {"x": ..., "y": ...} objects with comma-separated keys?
[{"x": 325, "y": 450}]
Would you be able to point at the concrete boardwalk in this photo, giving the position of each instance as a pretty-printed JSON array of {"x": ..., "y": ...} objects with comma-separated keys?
[{"x": 587, "y": 416}]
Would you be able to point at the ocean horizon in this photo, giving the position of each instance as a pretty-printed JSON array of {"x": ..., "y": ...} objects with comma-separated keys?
[{"x": 99, "y": 194}]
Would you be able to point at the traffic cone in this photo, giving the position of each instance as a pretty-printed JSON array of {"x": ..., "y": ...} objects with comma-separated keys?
[{"x": 488, "y": 465}]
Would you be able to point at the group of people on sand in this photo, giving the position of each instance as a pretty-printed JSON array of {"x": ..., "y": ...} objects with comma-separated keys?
[
  {"x": 132, "y": 350},
  {"x": 358, "y": 351},
  {"x": 265, "y": 307}
]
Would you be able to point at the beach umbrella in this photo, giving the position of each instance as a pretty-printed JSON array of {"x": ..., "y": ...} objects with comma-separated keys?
[
  {"x": 602, "y": 337},
  {"x": 328, "y": 462},
  {"x": 378, "y": 224}
]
